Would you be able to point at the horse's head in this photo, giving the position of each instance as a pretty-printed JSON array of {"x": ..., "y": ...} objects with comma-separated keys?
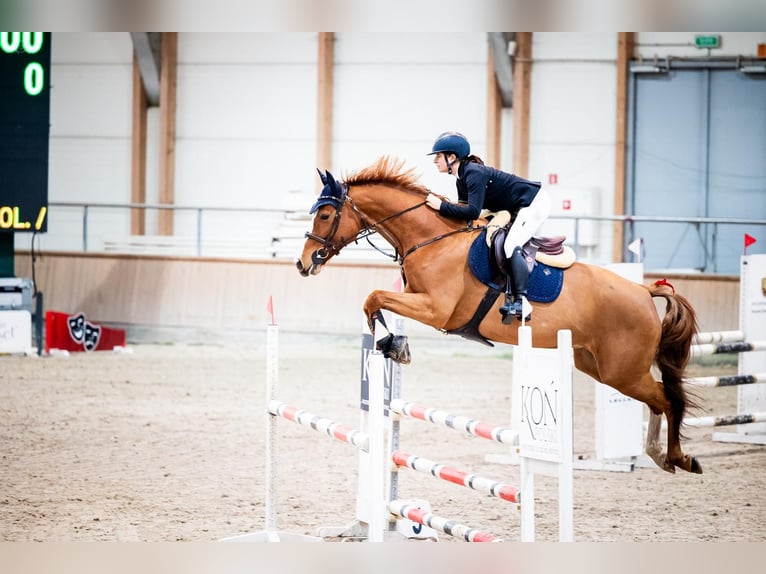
[{"x": 334, "y": 227}]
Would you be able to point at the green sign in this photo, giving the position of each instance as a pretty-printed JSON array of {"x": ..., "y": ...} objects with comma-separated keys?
[{"x": 707, "y": 41}]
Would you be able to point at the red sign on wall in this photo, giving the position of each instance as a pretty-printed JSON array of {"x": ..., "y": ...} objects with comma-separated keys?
[{"x": 73, "y": 333}]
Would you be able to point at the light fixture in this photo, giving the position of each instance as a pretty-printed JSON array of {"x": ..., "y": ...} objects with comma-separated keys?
[
  {"x": 753, "y": 69},
  {"x": 647, "y": 69}
]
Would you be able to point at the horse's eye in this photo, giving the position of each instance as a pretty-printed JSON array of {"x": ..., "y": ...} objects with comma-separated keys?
[{"x": 324, "y": 216}]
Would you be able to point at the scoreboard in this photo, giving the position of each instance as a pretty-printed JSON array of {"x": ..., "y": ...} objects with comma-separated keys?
[{"x": 25, "y": 61}]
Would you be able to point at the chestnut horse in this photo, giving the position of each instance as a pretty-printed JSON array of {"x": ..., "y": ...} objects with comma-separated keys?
[{"x": 617, "y": 333}]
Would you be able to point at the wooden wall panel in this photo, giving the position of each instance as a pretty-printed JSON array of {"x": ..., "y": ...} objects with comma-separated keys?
[{"x": 224, "y": 295}]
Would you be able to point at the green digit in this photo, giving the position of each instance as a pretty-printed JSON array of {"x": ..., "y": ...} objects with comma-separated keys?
[
  {"x": 32, "y": 42},
  {"x": 34, "y": 78},
  {"x": 9, "y": 42}
]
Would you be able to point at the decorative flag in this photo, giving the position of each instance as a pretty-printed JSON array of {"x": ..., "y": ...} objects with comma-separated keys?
[
  {"x": 270, "y": 309},
  {"x": 749, "y": 240},
  {"x": 636, "y": 247}
]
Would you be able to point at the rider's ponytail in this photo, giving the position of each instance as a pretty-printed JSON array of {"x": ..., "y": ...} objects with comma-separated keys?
[{"x": 473, "y": 159}]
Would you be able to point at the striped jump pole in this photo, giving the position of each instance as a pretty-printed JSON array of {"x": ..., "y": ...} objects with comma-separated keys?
[
  {"x": 721, "y": 421},
  {"x": 727, "y": 381},
  {"x": 725, "y": 348},
  {"x": 459, "y": 477},
  {"x": 456, "y": 422},
  {"x": 718, "y": 337},
  {"x": 323, "y": 425},
  {"x": 420, "y": 516}
]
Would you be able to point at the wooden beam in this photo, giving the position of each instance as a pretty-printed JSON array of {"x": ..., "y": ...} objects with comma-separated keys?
[
  {"x": 522, "y": 73},
  {"x": 138, "y": 152},
  {"x": 325, "y": 91},
  {"x": 167, "y": 136},
  {"x": 494, "y": 112},
  {"x": 625, "y": 48}
]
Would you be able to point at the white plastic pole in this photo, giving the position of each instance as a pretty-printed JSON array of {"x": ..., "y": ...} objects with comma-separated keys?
[
  {"x": 566, "y": 475},
  {"x": 377, "y": 496},
  {"x": 272, "y": 378},
  {"x": 520, "y": 367}
]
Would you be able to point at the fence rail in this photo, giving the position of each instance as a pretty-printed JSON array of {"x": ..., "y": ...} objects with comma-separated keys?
[{"x": 278, "y": 233}]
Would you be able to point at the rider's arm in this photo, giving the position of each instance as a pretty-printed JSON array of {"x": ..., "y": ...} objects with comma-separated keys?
[{"x": 475, "y": 186}]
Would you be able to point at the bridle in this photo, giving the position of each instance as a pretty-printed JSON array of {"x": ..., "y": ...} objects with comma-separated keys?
[{"x": 331, "y": 248}]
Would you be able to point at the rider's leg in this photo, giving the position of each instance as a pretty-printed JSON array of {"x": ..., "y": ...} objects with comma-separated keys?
[
  {"x": 518, "y": 277},
  {"x": 528, "y": 221}
]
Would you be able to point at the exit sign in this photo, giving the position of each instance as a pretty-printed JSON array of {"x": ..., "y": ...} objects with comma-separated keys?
[{"x": 713, "y": 41}]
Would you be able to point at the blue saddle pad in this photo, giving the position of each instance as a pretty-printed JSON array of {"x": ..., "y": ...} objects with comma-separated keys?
[{"x": 545, "y": 282}]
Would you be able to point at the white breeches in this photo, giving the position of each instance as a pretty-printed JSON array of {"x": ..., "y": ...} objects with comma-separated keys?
[{"x": 528, "y": 222}]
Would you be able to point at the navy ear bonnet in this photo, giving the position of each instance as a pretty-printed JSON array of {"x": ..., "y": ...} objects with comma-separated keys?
[{"x": 333, "y": 193}]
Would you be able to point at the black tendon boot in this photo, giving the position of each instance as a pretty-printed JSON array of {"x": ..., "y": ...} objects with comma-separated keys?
[{"x": 518, "y": 277}]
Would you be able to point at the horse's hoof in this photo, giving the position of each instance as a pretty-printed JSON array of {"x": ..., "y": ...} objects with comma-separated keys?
[
  {"x": 696, "y": 467},
  {"x": 396, "y": 348}
]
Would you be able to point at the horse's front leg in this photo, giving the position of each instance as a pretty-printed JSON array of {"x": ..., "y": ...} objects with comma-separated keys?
[{"x": 417, "y": 306}]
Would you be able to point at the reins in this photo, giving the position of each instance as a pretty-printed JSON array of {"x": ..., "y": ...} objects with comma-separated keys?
[{"x": 468, "y": 227}]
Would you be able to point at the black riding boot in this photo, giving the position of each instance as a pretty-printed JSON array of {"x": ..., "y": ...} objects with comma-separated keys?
[{"x": 516, "y": 286}]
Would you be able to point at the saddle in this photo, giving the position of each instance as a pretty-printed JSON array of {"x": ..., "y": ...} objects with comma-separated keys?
[
  {"x": 550, "y": 251},
  {"x": 547, "y": 258}
]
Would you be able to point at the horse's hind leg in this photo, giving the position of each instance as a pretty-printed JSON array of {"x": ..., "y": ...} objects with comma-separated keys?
[
  {"x": 653, "y": 446},
  {"x": 586, "y": 362},
  {"x": 676, "y": 455},
  {"x": 660, "y": 400}
]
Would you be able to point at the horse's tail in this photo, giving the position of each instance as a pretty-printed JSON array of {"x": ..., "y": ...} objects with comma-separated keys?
[{"x": 679, "y": 326}]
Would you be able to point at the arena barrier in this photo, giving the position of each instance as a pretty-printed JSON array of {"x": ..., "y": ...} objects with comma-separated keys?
[{"x": 542, "y": 395}]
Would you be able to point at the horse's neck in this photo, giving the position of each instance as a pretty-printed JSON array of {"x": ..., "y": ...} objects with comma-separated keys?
[{"x": 388, "y": 205}]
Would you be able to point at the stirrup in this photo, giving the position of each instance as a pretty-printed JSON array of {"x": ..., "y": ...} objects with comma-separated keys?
[{"x": 509, "y": 310}]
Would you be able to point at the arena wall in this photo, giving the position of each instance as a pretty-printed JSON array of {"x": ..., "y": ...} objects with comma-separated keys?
[{"x": 222, "y": 297}]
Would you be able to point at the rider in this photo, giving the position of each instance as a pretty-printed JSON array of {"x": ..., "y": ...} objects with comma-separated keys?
[{"x": 483, "y": 187}]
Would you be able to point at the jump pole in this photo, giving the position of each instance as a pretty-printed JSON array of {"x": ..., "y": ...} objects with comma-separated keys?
[
  {"x": 390, "y": 384},
  {"x": 373, "y": 443},
  {"x": 752, "y": 322},
  {"x": 271, "y": 533}
]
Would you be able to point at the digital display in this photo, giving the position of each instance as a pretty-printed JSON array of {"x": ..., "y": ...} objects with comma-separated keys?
[{"x": 25, "y": 61}]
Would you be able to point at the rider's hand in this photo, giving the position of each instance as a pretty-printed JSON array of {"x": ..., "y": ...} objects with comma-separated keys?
[{"x": 433, "y": 202}]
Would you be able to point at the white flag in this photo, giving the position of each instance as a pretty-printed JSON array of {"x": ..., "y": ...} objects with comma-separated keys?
[{"x": 635, "y": 247}]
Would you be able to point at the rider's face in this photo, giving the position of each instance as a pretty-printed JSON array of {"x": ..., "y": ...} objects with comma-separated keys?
[{"x": 440, "y": 161}]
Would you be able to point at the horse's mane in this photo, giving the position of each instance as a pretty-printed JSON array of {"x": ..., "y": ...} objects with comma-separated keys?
[{"x": 388, "y": 170}]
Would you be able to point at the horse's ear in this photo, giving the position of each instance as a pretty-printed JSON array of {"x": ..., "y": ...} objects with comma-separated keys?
[
  {"x": 330, "y": 179},
  {"x": 321, "y": 176}
]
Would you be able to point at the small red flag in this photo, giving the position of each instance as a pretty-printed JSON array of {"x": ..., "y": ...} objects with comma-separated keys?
[
  {"x": 749, "y": 240},
  {"x": 270, "y": 309}
]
